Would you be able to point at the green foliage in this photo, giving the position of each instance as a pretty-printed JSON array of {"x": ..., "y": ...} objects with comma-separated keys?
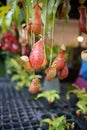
[
  {"x": 82, "y": 105},
  {"x": 19, "y": 75},
  {"x": 49, "y": 12},
  {"x": 3, "y": 52},
  {"x": 50, "y": 95},
  {"x": 56, "y": 124},
  {"x": 6, "y": 13},
  {"x": 78, "y": 92},
  {"x": 49, "y": 8},
  {"x": 55, "y": 50},
  {"x": 28, "y": 6},
  {"x": 8, "y": 17},
  {"x": 82, "y": 96},
  {"x": 16, "y": 16},
  {"x": 4, "y": 10},
  {"x": 12, "y": 12}
]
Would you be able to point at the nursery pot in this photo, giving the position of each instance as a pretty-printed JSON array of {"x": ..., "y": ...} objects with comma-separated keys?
[{"x": 54, "y": 84}]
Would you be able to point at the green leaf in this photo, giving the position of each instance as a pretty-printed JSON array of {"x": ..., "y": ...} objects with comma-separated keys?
[
  {"x": 15, "y": 77},
  {"x": 82, "y": 96},
  {"x": 56, "y": 124},
  {"x": 15, "y": 64},
  {"x": 50, "y": 6},
  {"x": 10, "y": 13},
  {"x": 16, "y": 16},
  {"x": 4, "y": 10},
  {"x": 1, "y": 20},
  {"x": 6, "y": 14},
  {"x": 57, "y": 2},
  {"x": 47, "y": 120},
  {"x": 29, "y": 5},
  {"x": 50, "y": 95},
  {"x": 20, "y": 84},
  {"x": 49, "y": 11}
]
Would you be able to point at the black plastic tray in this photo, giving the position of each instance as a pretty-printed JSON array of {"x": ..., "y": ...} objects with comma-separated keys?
[{"x": 17, "y": 113}]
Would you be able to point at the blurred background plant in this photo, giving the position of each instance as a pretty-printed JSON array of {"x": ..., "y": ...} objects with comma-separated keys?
[
  {"x": 57, "y": 123},
  {"x": 50, "y": 95},
  {"x": 82, "y": 99},
  {"x": 18, "y": 73}
]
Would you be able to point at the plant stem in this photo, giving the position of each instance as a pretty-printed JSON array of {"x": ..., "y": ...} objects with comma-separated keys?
[
  {"x": 31, "y": 29},
  {"x": 44, "y": 30},
  {"x": 52, "y": 42},
  {"x": 27, "y": 18}
]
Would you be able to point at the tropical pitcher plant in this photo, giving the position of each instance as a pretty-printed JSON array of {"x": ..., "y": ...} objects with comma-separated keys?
[{"x": 33, "y": 31}]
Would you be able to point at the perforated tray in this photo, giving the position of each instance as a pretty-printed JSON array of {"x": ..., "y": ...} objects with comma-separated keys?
[{"x": 17, "y": 113}]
